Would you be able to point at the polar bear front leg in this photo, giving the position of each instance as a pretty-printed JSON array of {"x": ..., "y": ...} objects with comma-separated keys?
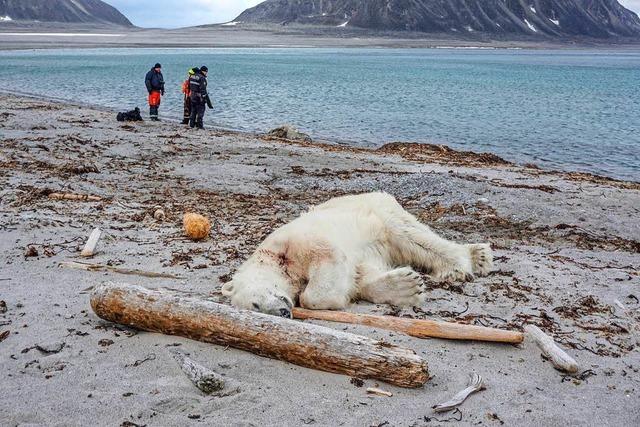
[
  {"x": 401, "y": 286},
  {"x": 331, "y": 286}
]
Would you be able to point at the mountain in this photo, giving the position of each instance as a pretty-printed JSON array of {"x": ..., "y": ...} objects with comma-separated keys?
[
  {"x": 537, "y": 18},
  {"x": 67, "y": 11}
]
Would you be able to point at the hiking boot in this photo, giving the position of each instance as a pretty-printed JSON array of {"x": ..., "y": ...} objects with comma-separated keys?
[{"x": 185, "y": 122}]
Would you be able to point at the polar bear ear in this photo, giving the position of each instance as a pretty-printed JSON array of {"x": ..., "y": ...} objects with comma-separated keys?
[{"x": 227, "y": 289}]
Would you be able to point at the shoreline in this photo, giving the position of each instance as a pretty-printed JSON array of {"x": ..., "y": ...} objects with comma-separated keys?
[
  {"x": 567, "y": 253},
  {"x": 249, "y": 36},
  {"x": 416, "y": 151}
]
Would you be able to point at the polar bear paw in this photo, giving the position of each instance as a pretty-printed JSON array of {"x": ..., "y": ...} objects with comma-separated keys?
[
  {"x": 481, "y": 259},
  {"x": 402, "y": 287},
  {"x": 405, "y": 287},
  {"x": 455, "y": 274}
]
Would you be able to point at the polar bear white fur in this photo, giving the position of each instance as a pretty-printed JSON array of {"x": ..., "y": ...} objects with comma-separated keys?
[{"x": 362, "y": 247}]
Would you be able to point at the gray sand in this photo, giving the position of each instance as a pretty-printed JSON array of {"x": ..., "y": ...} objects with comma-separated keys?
[{"x": 567, "y": 246}]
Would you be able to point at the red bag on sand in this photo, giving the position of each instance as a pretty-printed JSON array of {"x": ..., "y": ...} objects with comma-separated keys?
[{"x": 154, "y": 99}]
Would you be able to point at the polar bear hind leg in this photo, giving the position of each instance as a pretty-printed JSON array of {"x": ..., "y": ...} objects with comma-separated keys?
[
  {"x": 417, "y": 245},
  {"x": 442, "y": 259}
]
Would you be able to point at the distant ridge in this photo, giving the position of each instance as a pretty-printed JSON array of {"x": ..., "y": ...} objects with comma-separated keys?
[
  {"x": 537, "y": 18},
  {"x": 67, "y": 11}
]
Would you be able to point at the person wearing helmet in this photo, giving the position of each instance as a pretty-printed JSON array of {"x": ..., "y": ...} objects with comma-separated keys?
[
  {"x": 187, "y": 95},
  {"x": 199, "y": 97},
  {"x": 154, "y": 81}
]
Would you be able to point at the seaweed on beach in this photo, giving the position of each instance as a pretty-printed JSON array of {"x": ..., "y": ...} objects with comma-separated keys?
[
  {"x": 485, "y": 220},
  {"x": 583, "y": 306},
  {"x": 442, "y": 154}
]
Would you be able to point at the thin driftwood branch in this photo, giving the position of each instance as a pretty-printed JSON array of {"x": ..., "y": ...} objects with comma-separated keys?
[
  {"x": 196, "y": 317},
  {"x": 558, "y": 357},
  {"x": 476, "y": 384},
  {"x": 77, "y": 197},
  {"x": 100, "y": 267},
  {"x": 419, "y": 328}
]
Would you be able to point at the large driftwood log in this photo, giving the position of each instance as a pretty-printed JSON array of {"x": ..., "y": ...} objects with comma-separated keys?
[
  {"x": 176, "y": 313},
  {"x": 419, "y": 328}
]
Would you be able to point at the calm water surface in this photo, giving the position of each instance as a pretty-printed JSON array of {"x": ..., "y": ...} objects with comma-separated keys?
[{"x": 573, "y": 110}]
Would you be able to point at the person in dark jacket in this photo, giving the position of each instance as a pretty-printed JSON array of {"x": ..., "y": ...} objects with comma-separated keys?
[
  {"x": 186, "y": 90},
  {"x": 199, "y": 97},
  {"x": 155, "y": 86}
]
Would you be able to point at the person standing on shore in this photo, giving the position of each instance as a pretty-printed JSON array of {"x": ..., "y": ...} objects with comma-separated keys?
[
  {"x": 155, "y": 86},
  {"x": 187, "y": 96},
  {"x": 199, "y": 97}
]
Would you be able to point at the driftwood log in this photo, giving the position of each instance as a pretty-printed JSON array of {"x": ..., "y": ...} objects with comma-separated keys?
[
  {"x": 77, "y": 197},
  {"x": 419, "y": 328},
  {"x": 558, "y": 357},
  {"x": 77, "y": 265},
  {"x": 90, "y": 247},
  {"x": 476, "y": 384},
  {"x": 177, "y": 313},
  {"x": 205, "y": 379}
]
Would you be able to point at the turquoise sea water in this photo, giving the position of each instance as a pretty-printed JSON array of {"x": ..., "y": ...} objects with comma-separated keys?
[{"x": 572, "y": 110}]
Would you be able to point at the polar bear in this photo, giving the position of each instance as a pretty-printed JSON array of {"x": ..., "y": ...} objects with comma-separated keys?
[{"x": 361, "y": 247}]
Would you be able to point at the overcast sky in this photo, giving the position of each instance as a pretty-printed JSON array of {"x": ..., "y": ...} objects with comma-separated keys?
[
  {"x": 185, "y": 13},
  {"x": 181, "y": 13}
]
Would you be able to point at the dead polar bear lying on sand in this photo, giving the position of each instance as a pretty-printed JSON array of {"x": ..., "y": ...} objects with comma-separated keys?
[{"x": 351, "y": 248}]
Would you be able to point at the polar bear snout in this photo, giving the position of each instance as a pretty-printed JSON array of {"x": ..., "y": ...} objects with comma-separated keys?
[
  {"x": 274, "y": 305},
  {"x": 258, "y": 295}
]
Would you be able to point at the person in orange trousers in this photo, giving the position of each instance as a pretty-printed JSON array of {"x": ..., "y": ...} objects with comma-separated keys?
[{"x": 154, "y": 81}]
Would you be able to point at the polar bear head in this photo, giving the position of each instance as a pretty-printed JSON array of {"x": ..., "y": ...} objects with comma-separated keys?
[{"x": 261, "y": 289}]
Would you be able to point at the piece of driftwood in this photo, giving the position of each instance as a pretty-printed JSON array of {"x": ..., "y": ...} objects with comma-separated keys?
[
  {"x": 89, "y": 249},
  {"x": 634, "y": 323},
  {"x": 476, "y": 384},
  {"x": 312, "y": 346},
  {"x": 558, "y": 357},
  {"x": 379, "y": 392},
  {"x": 205, "y": 379},
  {"x": 78, "y": 197},
  {"x": 100, "y": 267},
  {"x": 419, "y": 328}
]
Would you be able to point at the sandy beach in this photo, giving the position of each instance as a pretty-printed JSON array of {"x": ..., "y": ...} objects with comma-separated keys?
[{"x": 567, "y": 247}]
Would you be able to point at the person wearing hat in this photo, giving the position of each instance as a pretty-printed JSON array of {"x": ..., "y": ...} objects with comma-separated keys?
[
  {"x": 199, "y": 97},
  {"x": 155, "y": 86},
  {"x": 187, "y": 95}
]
